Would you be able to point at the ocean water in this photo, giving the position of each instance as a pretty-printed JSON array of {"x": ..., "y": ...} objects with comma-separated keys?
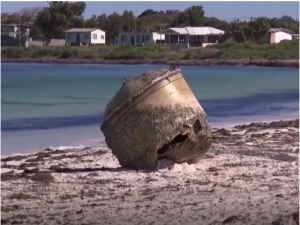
[{"x": 63, "y": 104}]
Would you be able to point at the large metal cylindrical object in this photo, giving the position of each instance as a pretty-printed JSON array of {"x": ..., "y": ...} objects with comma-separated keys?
[{"x": 155, "y": 116}]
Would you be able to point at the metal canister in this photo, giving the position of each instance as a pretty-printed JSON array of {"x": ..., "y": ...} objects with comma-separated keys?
[{"x": 155, "y": 116}]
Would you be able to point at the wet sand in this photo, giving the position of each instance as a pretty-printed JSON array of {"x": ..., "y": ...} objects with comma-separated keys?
[{"x": 249, "y": 176}]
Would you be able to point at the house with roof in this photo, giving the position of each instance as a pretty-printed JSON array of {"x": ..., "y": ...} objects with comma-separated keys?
[
  {"x": 140, "y": 38},
  {"x": 279, "y": 34},
  {"x": 85, "y": 36},
  {"x": 193, "y": 36},
  {"x": 15, "y": 35}
]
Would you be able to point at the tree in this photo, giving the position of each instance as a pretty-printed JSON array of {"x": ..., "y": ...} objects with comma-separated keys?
[
  {"x": 78, "y": 22},
  {"x": 181, "y": 20},
  {"x": 128, "y": 20},
  {"x": 285, "y": 22},
  {"x": 147, "y": 12},
  {"x": 101, "y": 21},
  {"x": 114, "y": 27},
  {"x": 256, "y": 30},
  {"x": 92, "y": 22},
  {"x": 59, "y": 16},
  {"x": 9, "y": 18},
  {"x": 28, "y": 15},
  {"x": 77, "y": 8},
  {"x": 238, "y": 31},
  {"x": 155, "y": 22},
  {"x": 193, "y": 16},
  {"x": 216, "y": 23},
  {"x": 260, "y": 29}
]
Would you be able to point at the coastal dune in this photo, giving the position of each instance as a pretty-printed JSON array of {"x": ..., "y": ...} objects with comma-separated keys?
[{"x": 249, "y": 176}]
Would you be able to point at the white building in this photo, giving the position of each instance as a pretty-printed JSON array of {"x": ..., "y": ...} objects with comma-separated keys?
[
  {"x": 193, "y": 36},
  {"x": 280, "y": 34},
  {"x": 9, "y": 30},
  {"x": 85, "y": 36},
  {"x": 12, "y": 36},
  {"x": 131, "y": 38}
]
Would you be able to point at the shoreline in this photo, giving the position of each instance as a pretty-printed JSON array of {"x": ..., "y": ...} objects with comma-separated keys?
[
  {"x": 249, "y": 176},
  {"x": 101, "y": 138},
  {"x": 205, "y": 62}
]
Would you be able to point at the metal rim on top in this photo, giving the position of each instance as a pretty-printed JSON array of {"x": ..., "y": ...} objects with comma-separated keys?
[{"x": 122, "y": 107}]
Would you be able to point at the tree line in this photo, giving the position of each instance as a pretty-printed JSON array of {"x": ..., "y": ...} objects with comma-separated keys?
[{"x": 52, "y": 21}]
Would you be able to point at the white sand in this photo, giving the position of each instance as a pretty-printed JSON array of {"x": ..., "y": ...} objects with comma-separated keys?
[{"x": 236, "y": 183}]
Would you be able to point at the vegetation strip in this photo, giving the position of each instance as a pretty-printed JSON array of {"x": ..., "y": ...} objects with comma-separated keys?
[{"x": 248, "y": 53}]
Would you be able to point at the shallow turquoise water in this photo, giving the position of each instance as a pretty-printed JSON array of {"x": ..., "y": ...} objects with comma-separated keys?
[{"x": 49, "y": 99}]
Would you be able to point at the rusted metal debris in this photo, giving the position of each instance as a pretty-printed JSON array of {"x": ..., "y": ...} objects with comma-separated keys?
[{"x": 156, "y": 116}]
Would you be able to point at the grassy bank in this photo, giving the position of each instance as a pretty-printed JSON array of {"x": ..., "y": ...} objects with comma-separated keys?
[{"x": 288, "y": 50}]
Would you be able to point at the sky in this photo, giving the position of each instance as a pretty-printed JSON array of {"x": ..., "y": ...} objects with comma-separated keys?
[{"x": 222, "y": 10}]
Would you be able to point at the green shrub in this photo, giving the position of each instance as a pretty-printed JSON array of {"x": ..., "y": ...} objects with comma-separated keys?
[
  {"x": 154, "y": 48},
  {"x": 66, "y": 54},
  {"x": 250, "y": 45},
  {"x": 102, "y": 51},
  {"x": 201, "y": 53},
  {"x": 123, "y": 52},
  {"x": 231, "y": 45},
  {"x": 89, "y": 56},
  {"x": 230, "y": 50},
  {"x": 75, "y": 53},
  {"x": 12, "y": 52},
  {"x": 39, "y": 52}
]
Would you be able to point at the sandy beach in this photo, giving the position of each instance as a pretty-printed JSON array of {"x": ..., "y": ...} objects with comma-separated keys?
[{"x": 249, "y": 176}]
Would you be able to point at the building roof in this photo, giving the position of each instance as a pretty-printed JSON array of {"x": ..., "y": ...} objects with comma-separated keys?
[
  {"x": 285, "y": 30},
  {"x": 146, "y": 32},
  {"x": 15, "y": 25},
  {"x": 196, "y": 30},
  {"x": 82, "y": 30},
  {"x": 9, "y": 24},
  {"x": 178, "y": 30}
]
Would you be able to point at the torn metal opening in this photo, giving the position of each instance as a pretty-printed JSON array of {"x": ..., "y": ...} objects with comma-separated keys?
[{"x": 176, "y": 140}]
